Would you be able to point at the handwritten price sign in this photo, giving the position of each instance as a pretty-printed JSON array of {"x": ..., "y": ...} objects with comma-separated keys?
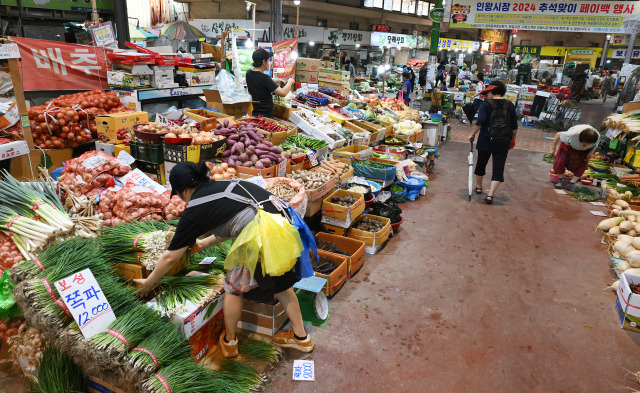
[
  {"x": 303, "y": 370},
  {"x": 84, "y": 298}
]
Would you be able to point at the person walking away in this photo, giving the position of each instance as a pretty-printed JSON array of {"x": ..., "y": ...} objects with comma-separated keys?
[
  {"x": 605, "y": 88},
  {"x": 261, "y": 86},
  {"x": 412, "y": 78},
  {"x": 405, "y": 88},
  {"x": 352, "y": 73},
  {"x": 453, "y": 74},
  {"x": 440, "y": 72},
  {"x": 577, "y": 144},
  {"x": 422, "y": 78},
  {"x": 498, "y": 126}
]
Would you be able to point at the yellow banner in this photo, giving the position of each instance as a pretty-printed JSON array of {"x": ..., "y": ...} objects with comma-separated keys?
[{"x": 494, "y": 35}]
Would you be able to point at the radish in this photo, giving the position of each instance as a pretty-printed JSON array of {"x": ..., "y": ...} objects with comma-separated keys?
[
  {"x": 626, "y": 226},
  {"x": 609, "y": 223}
]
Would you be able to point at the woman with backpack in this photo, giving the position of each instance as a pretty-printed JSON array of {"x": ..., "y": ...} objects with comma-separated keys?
[
  {"x": 498, "y": 125},
  {"x": 440, "y": 76}
]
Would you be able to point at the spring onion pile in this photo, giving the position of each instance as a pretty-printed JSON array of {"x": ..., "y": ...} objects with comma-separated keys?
[
  {"x": 80, "y": 209},
  {"x": 175, "y": 291},
  {"x": 164, "y": 346},
  {"x": 219, "y": 252},
  {"x": 259, "y": 350},
  {"x": 126, "y": 332},
  {"x": 49, "y": 257},
  {"x": 141, "y": 242},
  {"x": 185, "y": 376},
  {"x": 58, "y": 374}
]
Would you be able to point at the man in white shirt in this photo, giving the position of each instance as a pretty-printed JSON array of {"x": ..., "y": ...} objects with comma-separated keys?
[{"x": 577, "y": 145}]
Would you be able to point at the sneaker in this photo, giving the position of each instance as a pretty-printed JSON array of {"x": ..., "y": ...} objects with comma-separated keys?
[
  {"x": 570, "y": 187},
  {"x": 559, "y": 185},
  {"x": 229, "y": 349},
  {"x": 288, "y": 340}
]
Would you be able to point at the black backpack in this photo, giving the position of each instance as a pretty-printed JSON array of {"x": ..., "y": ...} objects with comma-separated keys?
[{"x": 499, "y": 131}]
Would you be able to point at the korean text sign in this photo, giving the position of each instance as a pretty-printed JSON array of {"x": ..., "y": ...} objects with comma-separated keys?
[
  {"x": 53, "y": 65},
  {"x": 284, "y": 63},
  {"x": 577, "y": 16},
  {"x": 86, "y": 302}
]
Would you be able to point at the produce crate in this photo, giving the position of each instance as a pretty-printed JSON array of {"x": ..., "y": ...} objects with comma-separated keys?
[
  {"x": 181, "y": 153},
  {"x": 614, "y": 260},
  {"x": 316, "y": 196},
  {"x": 377, "y": 132},
  {"x": 338, "y": 277},
  {"x": 381, "y": 174},
  {"x": 130, "y": 271},
  {"x": 333, "y": 115},
  {"x": 147, "y": 152},
  {"x": 353, "y": 247},
  {"x": 209, "y": 151},
  {"x": 282, "y": 112},
  {"x": 206, "y": 123},
  {"x": 338, "y": 215},
  {"x": 279, "y": 170},
  {"x": 373, "y": 241},
  {"x": 276, "y": 137},
  {"x": 355, "y": 152},
  {"x": 335, "y": 230},
  {"x": 316, "y": 131},
  {"x": 323, "y": 101},
  {"x": 263, "y": 318},
  {"x": 388, "y": 128},
  {"x": 342, "y": 179}
]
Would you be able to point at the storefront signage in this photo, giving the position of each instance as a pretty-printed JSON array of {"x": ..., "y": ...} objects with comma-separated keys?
[
  {"x": 437, "y": 15},
  {"x": 498, "y": 47},
  {"x": 575, "y": 16},
  {"x": 522, "y": 50},
  {"x": 582, "y": 52},
  {"x": 53, "y": 65},
  {"x": 393, "y": 40},
  {"x": 494, "y": 35},
  {"x": 381, "y": 28},
  {"x": 561, "y": 51},
  {"x": 102, "y": 5},
  {"x": 622, "y": 53},
  {"x": 449, "y": 44}
]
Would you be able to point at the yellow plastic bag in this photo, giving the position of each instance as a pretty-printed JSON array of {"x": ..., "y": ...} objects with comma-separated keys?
[
  {"x": 631, "y": 151},
  {"x": 281, "y": 244},
  {"x": 271, "y": 237}
]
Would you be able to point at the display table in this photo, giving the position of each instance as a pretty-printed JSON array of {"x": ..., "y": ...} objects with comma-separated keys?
[{"x": 138, "y": 98}]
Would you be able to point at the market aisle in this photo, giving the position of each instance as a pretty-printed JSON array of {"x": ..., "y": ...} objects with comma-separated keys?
[{"x": 478, "y": 298}]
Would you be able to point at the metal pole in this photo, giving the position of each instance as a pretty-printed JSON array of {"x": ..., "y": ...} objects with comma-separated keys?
[
  {"x": 95, "y": 11},
  {"x": 603, "y": 59},
  {"x": 509, "y": 45},
  {"x": 277, "y": 34},
  {"x": 297, "y": 19},
  {"x": 122, "y": 22},
  {"x": 632, "y": 42},
  {"x": 253, "y": 18}
]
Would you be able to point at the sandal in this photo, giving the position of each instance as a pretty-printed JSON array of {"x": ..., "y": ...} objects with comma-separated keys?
[
  {"x": 478, "y": 190},
  {"x": 488, "y": 199}
]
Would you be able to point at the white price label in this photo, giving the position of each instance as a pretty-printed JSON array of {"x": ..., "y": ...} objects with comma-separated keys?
[
  {"x": 125, "y": 158},
  {"x": 208, "y": 261},
  {"x": 84, "y": 299},
  {"x": 598, "y": 213},
  {"x": 313, "y": 158},
  {"x": 137, "y": 178},
  {"x": 615, "y": 133},
  {"x": 257, "y": 180},
  {"x": 609, "y": 132},
  {"x": 282, "y": 169},
  {"x": 303, "y": 370},
  {"x": 94, "y": 161}
]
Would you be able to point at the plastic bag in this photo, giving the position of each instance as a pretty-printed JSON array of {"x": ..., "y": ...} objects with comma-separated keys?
[
  {"x": 413, "y": 185},
  {"x": 383, "y": 196},
  {"x": 399, "y": 195},
  {"x": 245, "y": 251},
  {"x": 8, "y": 306},
  {"x": 387, "y": 209},
  {"x": 303, "y": 268}
]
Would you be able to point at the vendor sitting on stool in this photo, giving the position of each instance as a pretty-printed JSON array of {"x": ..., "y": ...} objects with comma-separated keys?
[{"x": 577, "y": 145}]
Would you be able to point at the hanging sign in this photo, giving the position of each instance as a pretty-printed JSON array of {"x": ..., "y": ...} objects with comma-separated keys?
[
  {"x": 284, "y": 59},
  {"x": 84, "y": 299},
  {"x": 54, "y": 65},
  {"x": 381, "y": 28},
  {"x": 393, "y": 40},
  {"x": 622, "y": 53},
  {"x": 103, "y": 35},
  {"x": 449, "y": 44},
  {"x": 437, "y": 15},
  {"x": 497, "y": 47},
  {"x": 521, "y": 50},
  {"x": 574, "y": 16},
  {"x": 494, "y": 35}
]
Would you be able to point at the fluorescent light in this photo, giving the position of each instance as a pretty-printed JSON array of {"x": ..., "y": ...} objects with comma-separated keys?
[
  {"x": 311, "y": 43},
  {"x": 294, "y": 55},
  {"x": 248, "y": 44},
  {"x": 357, "y": 45},
  {"x": 248, "y": 6},
  {"x": 515, "y": 35},
  {"x": 296, "y": 2},
  {"x": 608, "y": 36}
]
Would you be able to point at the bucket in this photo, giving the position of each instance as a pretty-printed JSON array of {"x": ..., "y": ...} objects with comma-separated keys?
[{"x": 396, "y": 226}]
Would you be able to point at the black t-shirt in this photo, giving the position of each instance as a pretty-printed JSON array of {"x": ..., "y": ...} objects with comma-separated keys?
[
  {"x": 198, "y": 220},
  {"x": 261, "y": 86}
]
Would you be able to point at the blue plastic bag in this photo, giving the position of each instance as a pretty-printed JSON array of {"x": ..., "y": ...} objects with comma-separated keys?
[
  {"x": 303, "y": 267},
  {"x": 413, "y": 185}
]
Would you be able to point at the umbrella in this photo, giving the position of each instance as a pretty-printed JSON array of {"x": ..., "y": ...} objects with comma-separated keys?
[
  {"x": 182, "y": 31},
  {"x": 470, "y": 171},
  {"x": 140, "y": 33}
]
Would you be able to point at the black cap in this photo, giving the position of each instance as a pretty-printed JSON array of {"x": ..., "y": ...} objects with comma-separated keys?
[
  {"x": 259, "y": 55},
  {"x": 182, "y": 176}
]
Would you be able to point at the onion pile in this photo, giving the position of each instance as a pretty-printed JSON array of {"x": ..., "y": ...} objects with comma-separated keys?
[
  {"x": 131, "y": 203},
  {"x": 90, "y": 171},
  {"x": 69, "y": 120},
  {"x": 26, "y": 349},
  {"x": 199, "y": 137},
  {"x": 9, "y": 253},
  {"x": 174, "y": 208},
  {"x": 155, "y": 128},
  {"x": 10, "y": 328},
  {"x": 221, "y": 171}
]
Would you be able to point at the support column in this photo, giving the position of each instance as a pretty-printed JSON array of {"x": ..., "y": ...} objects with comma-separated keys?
[
  {"x": 122, "y": 22},
  {"x": 277, "y": 33},
  {"x": 603, "y": 59},
  {"x": 632, "y": 43}
]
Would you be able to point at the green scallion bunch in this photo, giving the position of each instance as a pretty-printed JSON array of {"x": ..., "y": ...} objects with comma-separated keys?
[
  {"x": 175, "y": 291},
  {"x": 260, "y": 350},
  {"x": 240, "y": 373},
  {"x": 185, "y": 376},
  {"x": 219, "y": 251},
  {"x": 50, "y": 256},
  {"x": 129, "y": 330},
  {"x": 58, "y": 374},
  {"x": 167, "y": 345}
]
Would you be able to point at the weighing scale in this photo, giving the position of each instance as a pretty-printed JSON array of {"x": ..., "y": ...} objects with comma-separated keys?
[{"x": 314, "y": 306}]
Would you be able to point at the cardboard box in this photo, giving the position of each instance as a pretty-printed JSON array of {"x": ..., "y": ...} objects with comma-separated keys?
[
  {"x": 372, "y": 241},
  {"x": 10, "y": 117},
  {"x": 336, "y": 230},
  {"x": 118, "y": 148},
  {"x": 333, "y": 76},
  {"x": 210, "y": 121},
  {"x": 97, "y": 385},
  {"x": 25, "y": 167},
  {"x": 128, "y": 80},
  {"x": 341, "y": 87},
  {"x": 282, "y": 112},
  {"x": 353, "y": 247},
  {"x": 307, "y": 64},
  {"x": 262, "y": 318},
  {"x": 129, "y": 98},
  {"x": 13, "y": 149},
  {"x": 130, "y": 271},
  {"x": 172, "y": 118},
  {"x": 274, "y": 171},
  {"x": 154, "y": 171},
  {"x": 628, "y": 303},
  {"x": 339, "y": 215},
  {"x": 110, "y": 124},
  {"x": 180, "y": 153},
  {"x": 377, "y": 132},
  {"x": 338, "y": 277},
  {"x": 315, "y": 197},
  {"x": 106, "y": 148},
  {"x": 307, "y": 77},
  {"x": 236, "y": 109},
  {"x": 328, "y": 64},
  {"x": 202, "y": 325},
  {"x": 168, "y": 166},
  {"x": 200, "y": 78},
  {"x": 354, "y": 152},
  {"x": 162, "y": 77}
]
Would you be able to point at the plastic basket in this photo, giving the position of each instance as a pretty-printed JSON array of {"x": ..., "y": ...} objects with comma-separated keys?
[{"x": 147, "y": 152}]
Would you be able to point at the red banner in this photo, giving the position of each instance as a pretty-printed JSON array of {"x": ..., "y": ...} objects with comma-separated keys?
[
  {"x": 284, "y": 60},
  {"x": 53, "y": 65},
  {"x": 497, "y": 47}
]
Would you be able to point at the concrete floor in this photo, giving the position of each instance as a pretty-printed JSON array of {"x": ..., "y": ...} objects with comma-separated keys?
[{"x": 476, "y": 298}]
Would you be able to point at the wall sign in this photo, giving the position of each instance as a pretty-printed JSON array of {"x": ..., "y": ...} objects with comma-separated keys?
[
  {"x": 393, "y": 40},
  {"x": 381, "y": 28},
  {"x": 521, "y": 50}
]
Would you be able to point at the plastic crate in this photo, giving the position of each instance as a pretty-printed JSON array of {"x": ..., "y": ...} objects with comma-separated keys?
[{"x": 147, "y": 152}]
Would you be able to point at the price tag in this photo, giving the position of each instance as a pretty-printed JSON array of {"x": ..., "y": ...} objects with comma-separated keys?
[
  {"x": 615, "y": 133},
  {"x": 94, "y": 161},
  {"x": 25, "y": 121},
  {"x": 609, "y": 132},
  {"x": 208, "y": 261},
  {"x": 282, "y": 169},
  {"x": 313, "y": 158},
  {"x": 83, "y": 297},
  {"x": 303, "y": 370},
  {"x": 125, "y": 158},
  {"x": 598, "y": 213},
  {"x": 257, "y": 180},
  {"x": 137, "y": 178}
]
